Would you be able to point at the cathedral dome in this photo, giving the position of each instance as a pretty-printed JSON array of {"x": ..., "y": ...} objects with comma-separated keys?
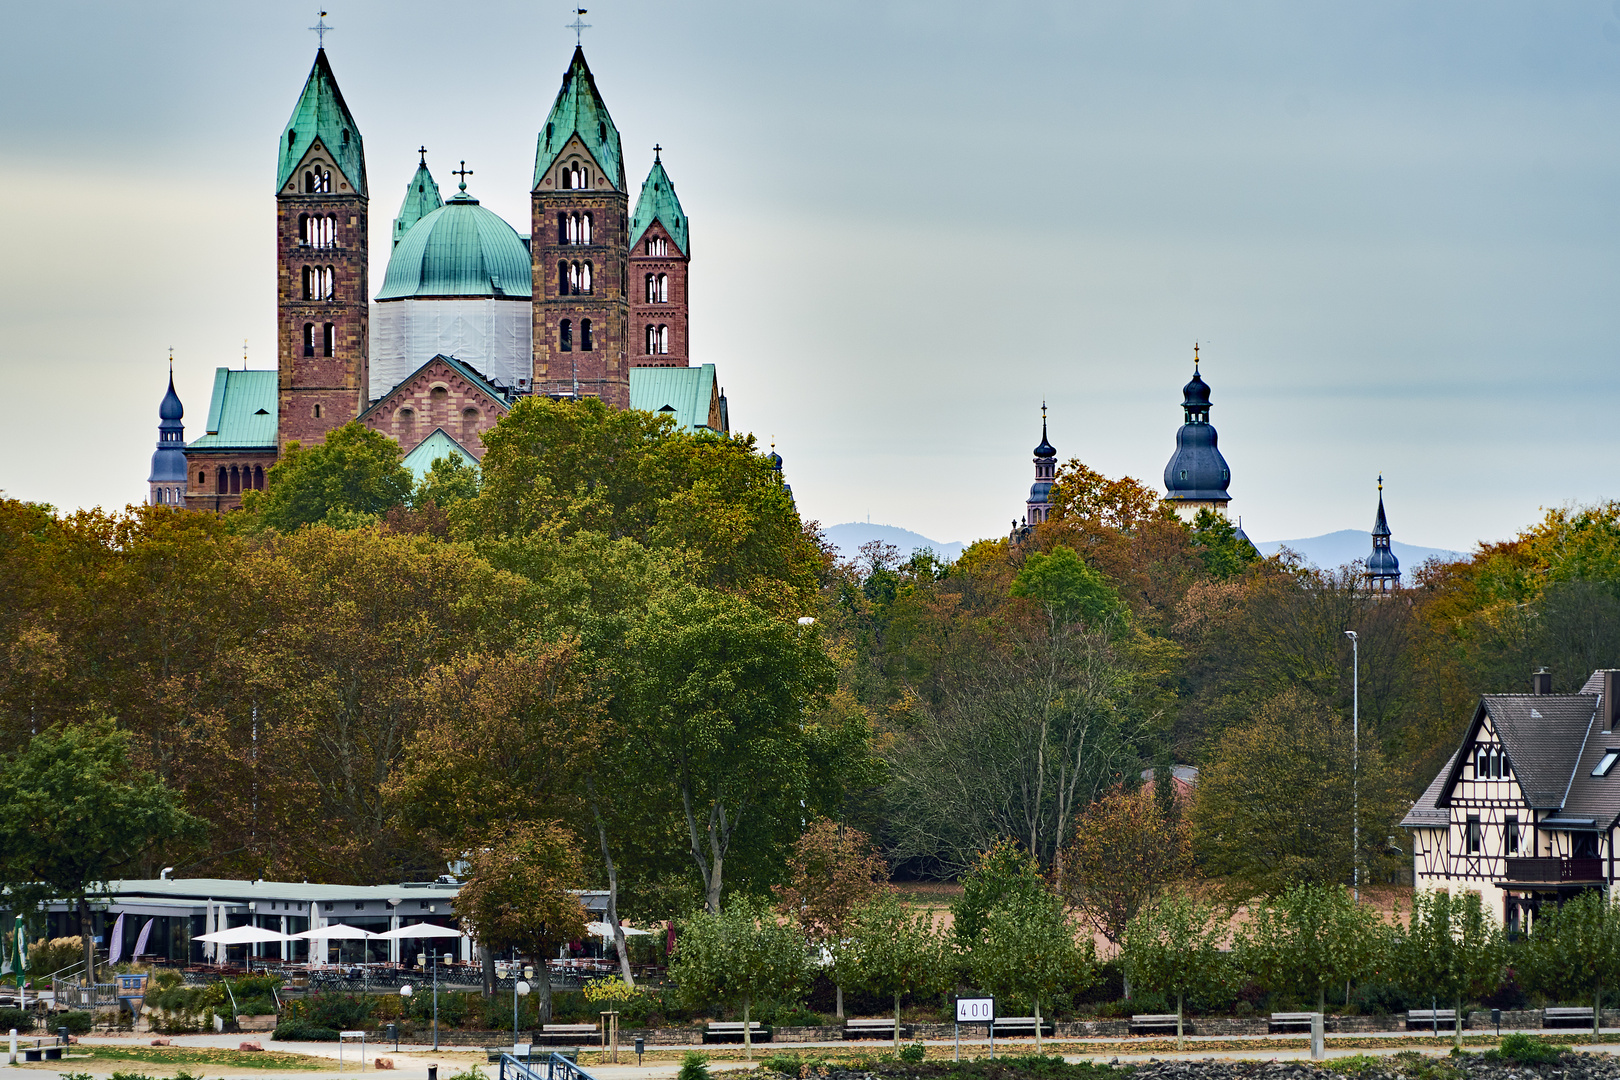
[{"x": 459, "y": 250}]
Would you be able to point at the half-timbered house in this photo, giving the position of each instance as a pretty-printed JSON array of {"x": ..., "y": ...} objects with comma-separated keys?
[{"x": 1525, "y": 810}]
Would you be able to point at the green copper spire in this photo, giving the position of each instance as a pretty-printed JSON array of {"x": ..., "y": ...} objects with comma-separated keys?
[
  {"x": 421, "y": 199},
  {"x": 579, "y": 110},
  {"x": 321, "y": 114},
  {"x": 658, "y": 203}
]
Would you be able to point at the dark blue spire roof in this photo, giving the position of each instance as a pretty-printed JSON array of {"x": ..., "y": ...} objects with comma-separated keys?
[
  {"x": 1382, "y": 563},
  {"x": 1196, "y": 472},
  {"x": 1045, "y": 449},
  {"x": 169, "y": 461},
  {"x": 171, "y": 409}
]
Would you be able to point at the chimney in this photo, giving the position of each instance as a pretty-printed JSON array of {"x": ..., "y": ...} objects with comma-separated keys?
[
  {"x": 1611, "y": 698},
  {"x": 1541, "y": 681}
]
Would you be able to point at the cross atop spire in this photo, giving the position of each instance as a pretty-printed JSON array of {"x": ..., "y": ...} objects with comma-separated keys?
[
  {"x": 320, "y": 29},
  {"x": 171, "y": 362},
  {"x": 657, "y": 150},
  {"x": 423, "y": 151},
  {"x": 1195, "y": 358},
  {"x": 578, "y": 26},
  {"x": 462, "y": 172},
  {"x": 1380, "y": 483}
]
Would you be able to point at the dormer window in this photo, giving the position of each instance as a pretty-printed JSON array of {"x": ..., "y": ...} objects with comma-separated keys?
[{"x": 1606, "y": 763}]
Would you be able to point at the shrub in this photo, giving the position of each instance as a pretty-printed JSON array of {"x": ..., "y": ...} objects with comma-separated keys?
[
  {"x": 77, "y": 1023},
  {"x": 131, "y": 1076},
  {"x": 44, "y": 958},
  {"x": 21, "y": 1019},
  {"x": 302, "y": 1031},
  {"x": 913, "y": 1052},
  {"x": 694, "y": 1066},
  {"x": 473, "y": 1073},
  {"x": 1529, "y": 1049},
  {"x": 1381, "y": 999},
  {"x": 345, "y": 1012}
]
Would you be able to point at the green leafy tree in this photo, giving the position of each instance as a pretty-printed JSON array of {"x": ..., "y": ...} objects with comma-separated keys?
[
  {"x": 1216, "y": 540},
  {"x": 73, "y": 809},
  {"x": 1450, "y": 948},
  {"x": 1310, "y": 938},
  {"x": 1030, "y": 946},
  {"x": 744, "y": 953},
  {"x": 1574, "y": 951},
  {"x": 1067, "y": 589},
  {"x": 355, "y": 475},
  {"x": 1004, "y": 874},
  {"x": 1174, "y": 948},
  {"x": 520, "y": 894},
  {"x": 897, "y": 952},
  {"x": 449, "y": 480}
]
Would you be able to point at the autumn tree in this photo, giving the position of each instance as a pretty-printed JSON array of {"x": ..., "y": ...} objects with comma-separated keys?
[
  {"x": 1030, "y": 946},
  {"x": 1127, "y": 851},
  {"x": 355, "y": 471},
  {"x": 833, "y": 871},
  {"x": 519, "y": 895}
]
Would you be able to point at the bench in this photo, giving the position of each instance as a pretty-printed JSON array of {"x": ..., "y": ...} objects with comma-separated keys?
[
  {"x": 1577, "y": 1015},
  {"x": 1430, "y": 1018},
  {"x": 1152, "y": 1023},
  {"x": 1021, "y": 1025},
  {"x": 733, "y": 1029},
  {"x": 1291, "y": 1021},
  {"x": 520, "y": 1051},
  {"x": 874, "y": 1027},
  {"x": 565, "y": 1034}
]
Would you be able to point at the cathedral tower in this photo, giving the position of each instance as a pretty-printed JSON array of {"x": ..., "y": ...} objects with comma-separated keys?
[
  {"x": 322, "y": 333},
  {"x": 1196, "y": 476},
  {"x": 660, "y": 252},
  {"x": 1038, "y": 507},
  {"x": 166, "y": 485},
  {"x": 579, "y": 233},
  {"x": 1383, "y": 568}
]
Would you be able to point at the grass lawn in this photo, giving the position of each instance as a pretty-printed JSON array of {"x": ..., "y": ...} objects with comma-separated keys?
[{"x": 186, "y": 1057}]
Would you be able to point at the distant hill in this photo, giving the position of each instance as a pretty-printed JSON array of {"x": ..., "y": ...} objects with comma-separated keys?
[
  {"x": 1336, "y": 549},
  {"x": 852, "y": 534}
]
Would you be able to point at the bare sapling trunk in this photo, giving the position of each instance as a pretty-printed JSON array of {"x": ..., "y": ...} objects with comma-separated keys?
[
  {"x": 1037, "y": 1027},
  {"x": 839, "y": 988},
  {"x": 1180, "y": 1041},
  {"x": 897, "y": 1021},
  {"x": 1321, "y": 999},
  {"x": 1456, "y": 1030},
  {"x": 1597, "y": 1011},
  {"x": 748, "y": 1034},
  {"x": 613, "y": 887},
  {"x": 89, "y": 943}
]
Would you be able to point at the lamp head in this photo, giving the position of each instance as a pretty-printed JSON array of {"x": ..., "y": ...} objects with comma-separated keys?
[
  {"x": 1351, "y": 634},
  {"x": 406, "y": 990}
]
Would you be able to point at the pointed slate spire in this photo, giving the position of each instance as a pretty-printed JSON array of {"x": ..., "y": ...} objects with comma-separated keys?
[
  {"x": 421, "y": 199},
  {"x": 579, "y": 110},
  {"x": 659, "y": 203},
  {"x": 321, "y": 114},
  {"x": 1383, "y": 568},
  {"x": 169, "y": 461}
]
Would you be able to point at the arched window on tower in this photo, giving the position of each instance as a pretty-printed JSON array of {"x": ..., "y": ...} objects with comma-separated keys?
[
  {"x": 309, "y": 339},
  {"x": 329, "y": 340},
  {"x": 562, "y": 279},
  {"x": 565, "y": 336},
  {"x": 327, "y": 281},
  {"x": 652, "y": 339},
  {"x": 309, "y": 282},
  {"x": 663, "y": 340},
  {"x": 657, "y": 245},
  {"x": 652, "y": 289},
  {"x": 562, "y": 228},
  {"x": 258, "y": 478},
  {"x": 585, "y": 335},
  {"x": 585, "y": 279},
  {"x": 663, "y": 288},
  {"x": 303, "y": 229},
  {"x": 236, "y": 481},
  {"x": 405, "y": 422},
  {"x": 223, "y": 487},
  {"x": 585, "y": 228}
]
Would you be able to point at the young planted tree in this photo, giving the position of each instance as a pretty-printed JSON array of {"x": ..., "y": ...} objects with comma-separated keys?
[
  {"x": 1574, "y": 951},
  {"x": 896, "y": 952},
  {"x": 1175, "y": 948},
  {"x": 1451, "y": 949},
  {"x": 834, "y": 870},
  {"x": 519, "y": 895},
  {"x": 1029, "y": 946},
  {"x": 744, "y": 953},
  {"x": 1310, "y": 938},
  {"x": 1003, "y": 873}
]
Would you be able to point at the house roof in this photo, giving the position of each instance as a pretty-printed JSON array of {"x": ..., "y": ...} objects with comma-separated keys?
[
  {"x": 579, "y": 110},
  {"x": 241, "y": 412},
  {"x": 1426, "y": 813},
  {"x": 685, "y": 393},
  {"x": 321, "y": 114},
  {"x": 431, "y": 449},
  {"x": 496, "y": 393},
  {"x": 658, "y": 202}
]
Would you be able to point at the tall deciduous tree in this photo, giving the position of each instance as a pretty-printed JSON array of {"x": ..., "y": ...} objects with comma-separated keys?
[
  {"x": 1574, "y": 951},
  {"x": 896, "y": 952},
  {"x": 519, "y": 894},
  {"x": 355, "y": 471},
  {"x": 1310, "y": 938},
  {"x": 743, "y": 953},
  {"x": 1175, "y": 948},
  {"x": 1004, "y": 874},
  {"x": 1450, "y": 948},
  {"x": 1030, "y": 946},
  {"x": 73, "y": 809},
  {"x": 834, "y": 870}
]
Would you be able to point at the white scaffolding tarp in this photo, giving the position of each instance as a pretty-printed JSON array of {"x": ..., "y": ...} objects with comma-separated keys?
[{"x": 492, "y": 335}]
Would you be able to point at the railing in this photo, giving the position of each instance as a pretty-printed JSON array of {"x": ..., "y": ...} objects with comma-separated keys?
[
  {"x": 1552, "y": 868},
  {"x": 95, "y": 996},
  {"x": 555, "y": 1067}
]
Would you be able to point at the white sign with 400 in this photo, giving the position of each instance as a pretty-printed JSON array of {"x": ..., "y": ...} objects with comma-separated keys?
[{"x": 975, "y": 1010}]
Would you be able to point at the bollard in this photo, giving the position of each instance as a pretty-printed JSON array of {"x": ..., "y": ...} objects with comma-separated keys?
[
  {"x": 393, "y": 1033},
  {"x": 433, "y": 1072},
  {"x": 1318, "y": 1051},
  {"x": 1496, "y": 1018},
  {"x": 641, "y": 1047},
  {"x": 13, "y": 1058}
]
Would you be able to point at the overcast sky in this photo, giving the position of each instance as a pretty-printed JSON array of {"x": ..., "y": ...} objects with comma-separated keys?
[{"x": 1394, "y": 226}]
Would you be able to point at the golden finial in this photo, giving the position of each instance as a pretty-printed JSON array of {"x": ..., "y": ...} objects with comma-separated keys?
[
  {"x": 244, "y": 354},
  {"x": 1380, "y": 483},
  {"x": 1195, "y": 358},
  {"x": 171, "y": 360}
]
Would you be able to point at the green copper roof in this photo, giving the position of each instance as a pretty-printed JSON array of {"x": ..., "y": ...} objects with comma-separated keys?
[
  {"x": 421, "y": 199},
  {"x": 241, "y": 412},
  {"x": 658, "y": 203},
  {"x": 460, "y": 249},
  {"x": 321, "y": 114},
  {"x": 579, "y": 110},
  {"x": 431, "y": 449},
  {"x": 683, "y": 393}
]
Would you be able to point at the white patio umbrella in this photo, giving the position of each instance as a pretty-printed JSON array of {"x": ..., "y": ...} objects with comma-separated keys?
[
  {"x": 339, "y": 931},
  {"x": 241, "y": 935},
  {"x": 602, "y": 929},
  {"x": 420, "y": 930}
]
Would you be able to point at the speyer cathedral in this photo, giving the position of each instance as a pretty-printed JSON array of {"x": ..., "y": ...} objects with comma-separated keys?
[{"x": 470, "y": 315}]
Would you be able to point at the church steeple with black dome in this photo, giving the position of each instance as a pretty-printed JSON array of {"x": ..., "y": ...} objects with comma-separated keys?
[
  {"x": 166, "y": 486},
  {"x": 1383, "y": 568},
  {"x": 1196, "y": 476},
  {"x": 1038, "y": 507}
]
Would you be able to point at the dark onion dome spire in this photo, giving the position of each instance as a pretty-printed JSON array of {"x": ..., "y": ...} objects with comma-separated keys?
[
  {"x": 1383, "y": 568},
  {"x": 1196, "y": 476},
  {"x": 168, "y": 478},
  {"x": 1038, "y": 507}
]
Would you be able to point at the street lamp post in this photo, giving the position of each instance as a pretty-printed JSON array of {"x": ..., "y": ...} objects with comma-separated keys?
[
  {"x": 1355, "y": 763},
  {"x": 520, "y": 989}
]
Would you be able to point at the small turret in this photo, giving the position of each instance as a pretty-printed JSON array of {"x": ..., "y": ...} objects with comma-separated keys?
[
  {"x": 1383, "y": 568},
  {"x": 166, "y": 486},
  {"x": 421, "y": 199},
  {"x": 1038, "y": 507}
]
